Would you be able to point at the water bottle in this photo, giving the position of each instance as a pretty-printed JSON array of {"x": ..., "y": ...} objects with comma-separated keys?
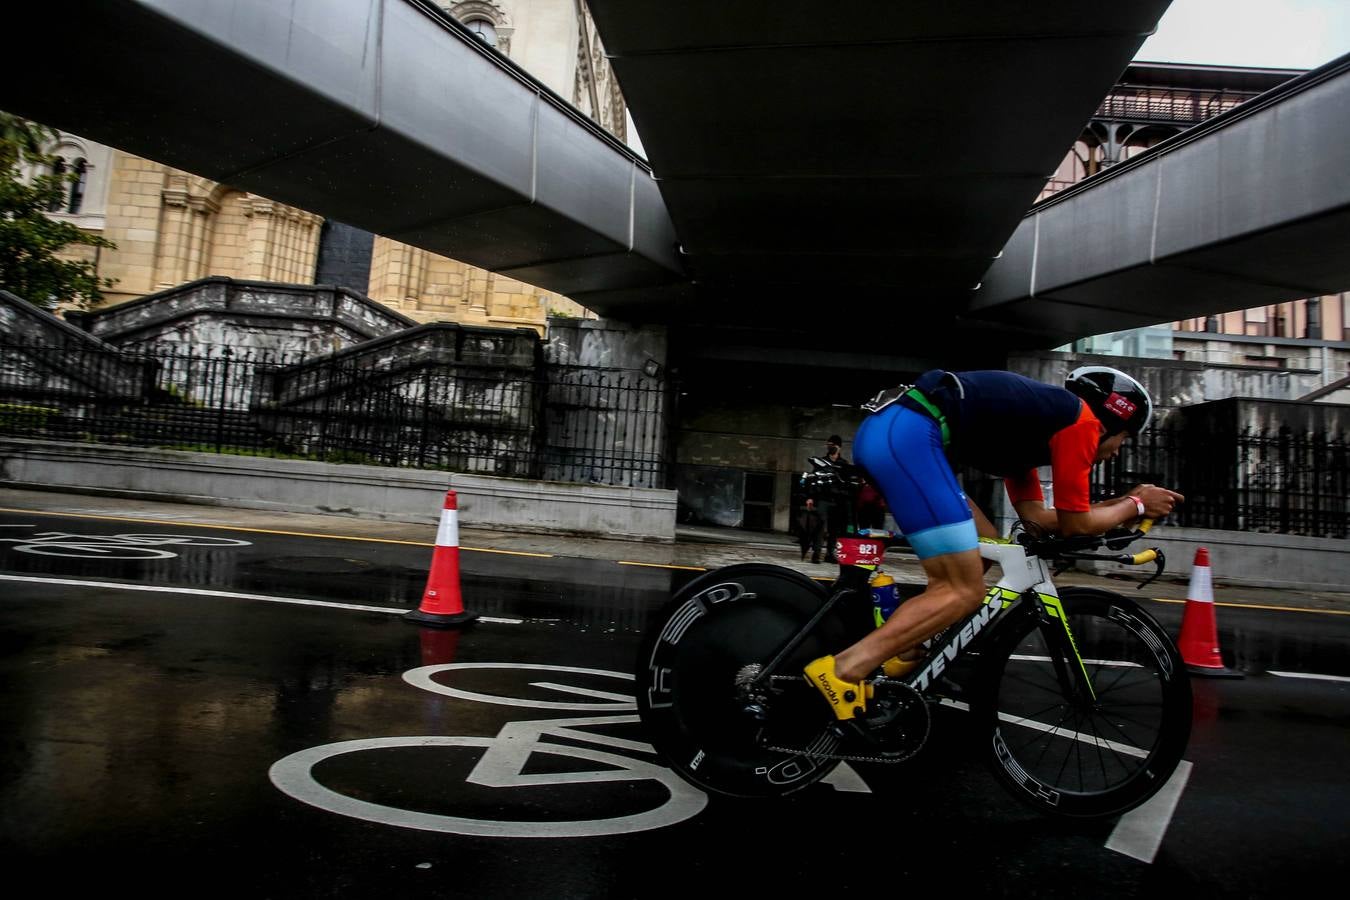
[{"x": 885, "y": 598}]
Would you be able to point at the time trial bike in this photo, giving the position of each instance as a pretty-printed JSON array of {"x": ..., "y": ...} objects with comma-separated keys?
[{"x": 1082, "y": 699}]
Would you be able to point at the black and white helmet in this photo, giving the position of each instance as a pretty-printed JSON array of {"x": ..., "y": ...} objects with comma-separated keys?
[{"x": 1118, "y": 401}]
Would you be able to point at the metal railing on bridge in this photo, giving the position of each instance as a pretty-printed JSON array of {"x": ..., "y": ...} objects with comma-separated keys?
[{"x": 1175, "y": 106}]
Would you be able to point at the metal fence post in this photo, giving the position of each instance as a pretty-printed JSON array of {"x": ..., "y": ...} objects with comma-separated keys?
[{"x": 224, "y": 397}]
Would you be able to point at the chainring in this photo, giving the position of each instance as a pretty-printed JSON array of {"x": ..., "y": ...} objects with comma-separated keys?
[{"x": 895, "y": 727}]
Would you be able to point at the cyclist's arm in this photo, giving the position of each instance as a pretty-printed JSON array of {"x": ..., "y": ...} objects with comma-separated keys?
[
  {"x": 1099, "y": 519},
  {"x": 1073, "y": 452}
]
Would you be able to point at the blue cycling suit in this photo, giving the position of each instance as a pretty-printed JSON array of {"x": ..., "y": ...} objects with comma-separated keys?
[
  {"x": 998, "y": 422},
  {"x": 901, "y": 449}
]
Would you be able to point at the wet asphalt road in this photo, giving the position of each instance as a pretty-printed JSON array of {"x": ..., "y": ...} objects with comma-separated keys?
[{"x": 196, "y": 741}]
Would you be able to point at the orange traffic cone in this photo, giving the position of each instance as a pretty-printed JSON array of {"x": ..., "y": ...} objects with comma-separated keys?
[
  {"x": 1199, "y": 641},
  {"x": 442, "y": 606}
]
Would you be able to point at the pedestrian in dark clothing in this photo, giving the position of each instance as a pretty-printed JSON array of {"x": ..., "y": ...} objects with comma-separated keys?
[{"x": 827, "y": 498}]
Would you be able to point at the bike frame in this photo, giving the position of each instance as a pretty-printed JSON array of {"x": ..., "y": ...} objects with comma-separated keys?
[{"x": 1024, "y": 579}]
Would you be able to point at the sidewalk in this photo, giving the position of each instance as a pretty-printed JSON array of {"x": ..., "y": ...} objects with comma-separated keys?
[{"x": 694, "y": 547}]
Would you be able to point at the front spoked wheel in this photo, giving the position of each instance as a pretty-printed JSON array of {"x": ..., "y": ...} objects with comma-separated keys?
[
  {"x": 713, "y": 638},
  {"x": 1086, "y": 753}
]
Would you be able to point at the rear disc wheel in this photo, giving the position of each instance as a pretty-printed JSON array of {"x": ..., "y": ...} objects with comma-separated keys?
[{"x": 719, "y": 631}]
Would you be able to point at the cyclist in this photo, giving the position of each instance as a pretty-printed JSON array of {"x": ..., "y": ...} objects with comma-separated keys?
[{"x": 1003, "y": 424}]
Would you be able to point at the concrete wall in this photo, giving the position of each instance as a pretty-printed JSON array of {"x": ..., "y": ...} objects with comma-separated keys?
[
  {"x": 604, "y": 343},
  {"x": 724, "y": 438},
  {"x": 404, "y": 495}
]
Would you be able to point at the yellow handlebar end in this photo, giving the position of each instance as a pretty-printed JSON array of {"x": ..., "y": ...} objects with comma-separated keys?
[
  {"x": 1145, "y": 525},
  {"x": 1147, "y": 556}
]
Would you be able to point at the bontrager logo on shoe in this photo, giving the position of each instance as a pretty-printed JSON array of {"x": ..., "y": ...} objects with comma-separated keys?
[{"x": 827, "y": 688}]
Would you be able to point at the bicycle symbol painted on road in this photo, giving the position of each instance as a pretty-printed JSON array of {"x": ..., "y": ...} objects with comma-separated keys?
[
  {"x": 506, "y": 756},
  {"x": 111, "y": 546}
]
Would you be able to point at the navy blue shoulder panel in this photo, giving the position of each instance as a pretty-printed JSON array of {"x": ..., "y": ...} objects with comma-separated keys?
[{"x": 1001, "y": 422}]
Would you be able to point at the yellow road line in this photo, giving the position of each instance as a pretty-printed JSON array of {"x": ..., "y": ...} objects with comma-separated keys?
[
  {"x": 647, "y": 565},
  {"x": 1325, "y": 612},
  {"x": 309, "y": 534}
]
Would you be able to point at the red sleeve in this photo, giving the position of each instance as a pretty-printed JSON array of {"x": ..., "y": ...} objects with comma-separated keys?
[
  {"x": 1026, "y": 487},
  {"x": 1073, "y": 452}
]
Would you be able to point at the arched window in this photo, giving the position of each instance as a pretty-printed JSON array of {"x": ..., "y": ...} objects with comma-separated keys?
[
  {"x": 59, "y": 171},
  {"x": 485, "y": 30},
  {"x": 485, "y": 19},
  {"x": 77, "y": 188}
]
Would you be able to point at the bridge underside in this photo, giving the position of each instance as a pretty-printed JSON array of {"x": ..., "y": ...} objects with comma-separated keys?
[
  {"x": 1251, "y": 208},
  {"x": 873, "y": 163},
  {"x": 819, "y": 184}
]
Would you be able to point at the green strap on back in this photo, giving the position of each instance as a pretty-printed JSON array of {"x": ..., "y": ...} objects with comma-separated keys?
[{"x": 933, "y": 411}]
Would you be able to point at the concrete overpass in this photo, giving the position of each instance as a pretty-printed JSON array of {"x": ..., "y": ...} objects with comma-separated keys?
[
  {"x": 1249, "y": 208},
  {"x": 882, "y": 158},
  {"x": 385, "y": 114},
  {"x": 820, "y": 188}
]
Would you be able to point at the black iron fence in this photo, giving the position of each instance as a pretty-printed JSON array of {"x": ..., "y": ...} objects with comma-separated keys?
[
  {"x": 418, "y": 409},
  {"x": 1275, "y": 481}
]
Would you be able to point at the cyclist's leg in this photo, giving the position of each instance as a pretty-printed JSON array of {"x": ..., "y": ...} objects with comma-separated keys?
[
  {"x": 901, "y": 450},
  {"x": 955, "y": 589}
]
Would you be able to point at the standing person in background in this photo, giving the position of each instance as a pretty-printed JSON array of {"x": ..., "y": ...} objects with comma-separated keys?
[{"x": 833, "y": 503}]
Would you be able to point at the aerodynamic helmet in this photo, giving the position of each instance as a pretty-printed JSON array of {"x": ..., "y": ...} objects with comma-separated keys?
[{"x": 1118, "y": 401}]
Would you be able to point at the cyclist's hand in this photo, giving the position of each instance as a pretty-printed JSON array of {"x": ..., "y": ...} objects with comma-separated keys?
[{"x": 1158, "y": 501}]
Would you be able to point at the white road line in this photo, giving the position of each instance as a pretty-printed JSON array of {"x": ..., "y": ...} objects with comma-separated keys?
[
  {"x": 1050, "y": 729},
  {"x": 1139, "y": 832},
  {"x": 1308, "y": 675},
  {"x": 296, "y": 601}
]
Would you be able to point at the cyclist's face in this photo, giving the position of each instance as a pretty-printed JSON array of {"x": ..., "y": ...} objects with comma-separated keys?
[{"x": 1108, "y": 447}]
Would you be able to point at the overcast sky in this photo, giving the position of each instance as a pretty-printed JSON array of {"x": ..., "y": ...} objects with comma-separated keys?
[{"x": 1280, "y": 34}]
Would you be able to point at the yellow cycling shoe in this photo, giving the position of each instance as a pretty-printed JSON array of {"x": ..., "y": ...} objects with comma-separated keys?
[
  {"x": 904, "y": 663},
  {"x": 847, "y": 699},
  {"x": 895, "y": 666}
]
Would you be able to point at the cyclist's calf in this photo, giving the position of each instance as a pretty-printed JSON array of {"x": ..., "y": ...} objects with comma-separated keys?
[{"x": 955, "y": 589}]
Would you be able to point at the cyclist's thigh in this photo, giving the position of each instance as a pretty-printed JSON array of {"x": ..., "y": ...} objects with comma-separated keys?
[{"x": 902, "y": 452}]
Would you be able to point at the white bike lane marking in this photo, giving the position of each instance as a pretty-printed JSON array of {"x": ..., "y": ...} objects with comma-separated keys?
[
  {"x": 506, "y": 755},
  {"x": 843, "y": 779},
  {"x": 497, "y": 768},
  {"x": 112, "y": 546},
  {"x": 228, "y": 595}
]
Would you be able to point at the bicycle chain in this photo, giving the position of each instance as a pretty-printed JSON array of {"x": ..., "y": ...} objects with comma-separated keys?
[{"x": 837, "y": 739}]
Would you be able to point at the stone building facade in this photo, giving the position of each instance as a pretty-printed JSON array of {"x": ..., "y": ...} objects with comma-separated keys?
[{"x": 173, "y": 227}]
